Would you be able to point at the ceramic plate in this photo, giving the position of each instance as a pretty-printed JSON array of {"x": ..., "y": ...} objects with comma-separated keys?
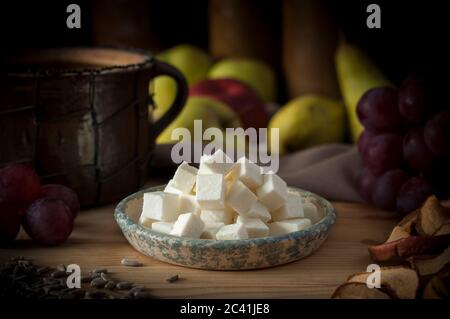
[{"x": 224, "y": 254}]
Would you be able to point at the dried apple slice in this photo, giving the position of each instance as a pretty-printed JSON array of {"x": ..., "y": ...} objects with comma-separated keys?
[
  {"x": 443, "y": 230},
  {"x": 417, "y": 245},
  {"x": 438, "y": 287},
  {"x": 357, "y": 290},
  {"x": 404, "y": 228},
  {"x": 432, "y": 216},
  {"x": 398, "y": 233},
  {"x": 410, "y": 246},
  {"x": 400, "y": 281},
  {"x": 409, "y": 220},
  {"x": 430, "y": 265},
  {"x": 384, "y": 252}
]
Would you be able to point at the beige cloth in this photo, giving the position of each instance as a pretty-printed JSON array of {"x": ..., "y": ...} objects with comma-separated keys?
[{"x": 328, "y": 170}]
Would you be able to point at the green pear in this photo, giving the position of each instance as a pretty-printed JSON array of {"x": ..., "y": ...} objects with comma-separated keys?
[
  {"x": 193, "y": 62},
  {"x": 356, "y": 74},
  {"x": 212, "y": 113},
  {"x": 309, "y": 120},
  {"x": 255, "y": 74}
]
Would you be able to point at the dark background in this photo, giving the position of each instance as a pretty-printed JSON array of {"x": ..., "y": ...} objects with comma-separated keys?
[{"x": 414, "y": 35}]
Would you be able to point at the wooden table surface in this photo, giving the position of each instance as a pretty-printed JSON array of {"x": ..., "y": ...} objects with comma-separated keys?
[{"x": 98, "y": 242}]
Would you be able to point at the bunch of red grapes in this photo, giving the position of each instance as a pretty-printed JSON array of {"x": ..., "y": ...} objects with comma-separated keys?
[
  {"x": 405, "y": 147},
  {"x": 46, "y": 212}
]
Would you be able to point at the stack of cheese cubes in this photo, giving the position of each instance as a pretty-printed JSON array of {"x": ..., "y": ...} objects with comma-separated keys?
[{"x": 225, "y": 200}]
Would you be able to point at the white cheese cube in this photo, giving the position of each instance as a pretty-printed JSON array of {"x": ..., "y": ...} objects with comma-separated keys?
[
  {"x": 162, "y": 227},
  {"x": 229, "y": 180},
  {"x": 184, "y": 178},
  {"x": 146, "y": 222},
  {"x": 248, "y": 173},
  {"x": 254, "y": 226},
  {"x": 258, "y": 210},
  {"x": 288, "y": 226},
  {"x": 217, "y": 216},
  {"x": 293, "y": 208},
  {"x": 233, "y": 231},
  {"x": 161, "y": 206},
  {"x": 310, "y": 211},
  {"x": 170, "y": 188},
  {"x": 217, "y": 163},
  {"x": 210, "y": 230},
  {"x": 188, "y": 204},
  {"x": 210, "y": 191},
  {"x": 188, "y": 225},
  {"x": 273, "y": 192},
  {"x": 240, "y": 197}
]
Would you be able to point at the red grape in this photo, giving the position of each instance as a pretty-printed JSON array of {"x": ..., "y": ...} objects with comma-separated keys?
[
  {"x": 415, "y": 150},
  {"x": 378, "y": 110},
  {"x": 364, "y": 140},
  {"x": 437, "y": 133},
  {"x": 386, "y": 188},
  {"x": 366, "y": 183},
  {"x": 9, "y": 222},
  {"x": 19, "y": 184},
  {"x": 383, "y": 153},
  {"x": 413, "y": 193},
  {"x": 48, "y": 221},
  {"x": 411, "y": 100},
  {"x": 68, "y": 196}
]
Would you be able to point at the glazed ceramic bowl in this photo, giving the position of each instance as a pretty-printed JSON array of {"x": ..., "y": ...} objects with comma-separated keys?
[{"x": 224, "y": 254}]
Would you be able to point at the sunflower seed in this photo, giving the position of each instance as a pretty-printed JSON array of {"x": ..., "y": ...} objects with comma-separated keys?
[
  {"x": 24, "y": 262},
  {"x": 104, "y": 276},
  {"x": 21, "y": 278},
  {"x": 43, "y": 270},
  {"x": 173, "y": 278},
  {"x": 63, "y": 282},
  {"x": 18, "y": 258},
  {"x": 98, "y": 283},
  {"x": 131, "y": 263},
  {"x": 110, "y": 285},
  {"x": 100, "y": 270},
  {"x": 49, "y": 288},
  {"x": 136, "y": 289},
  {"x": 86, "y": 278},
  {"x": 61, "y": 267},
  {"x": 124, "y": 285},
  {"x": 59, "y": 274},
  {"x": 50, "y": 281},
  {"x": 142, "y": 295}
]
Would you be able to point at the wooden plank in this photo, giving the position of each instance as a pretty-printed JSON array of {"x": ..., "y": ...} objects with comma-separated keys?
[{"x": 97, "y": 242}]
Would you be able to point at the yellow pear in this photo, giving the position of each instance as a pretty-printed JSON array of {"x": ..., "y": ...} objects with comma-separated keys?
[
  {"x": 193, "y": 62},
  {"x": 309, "y": 120},
  {"x": 212, "y": 113},
  {"x": 356, "y": 74}
]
